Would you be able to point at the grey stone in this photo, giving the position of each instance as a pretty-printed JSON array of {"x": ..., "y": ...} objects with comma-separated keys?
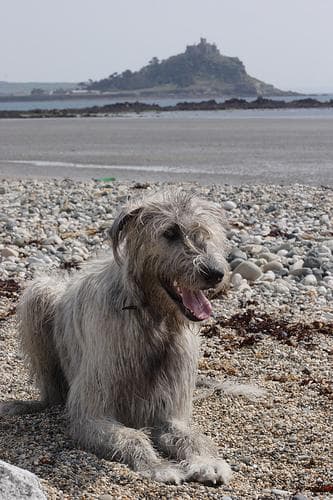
[
  {"x": 298, "y": 264},
  {"x": 19, "y": 241},
  {"x": 268, "y": 276},
  {"x": 300, "y": 273},
  {"x": 282, "y": 253},
  {"x": 284, "y": 246},
  {"x": 273, "y": 207},
  {"x": 329, "y": 244},
  {"x": 298, "y": 496},
  {"x": 324, "y": 251},
  {"x": 9, "y": 252},
  {"x": 280, "y": 288},
  {"x": 229, "y": 205},
  {"x": 18, "y": 484},
  {"x": 268, "y": 256},
  {"x": 248, "y": 270},
  {"x": 325, "y": 219},
  {"x": 312, "y": 262},
  {"x": 236, "y": 253},
  {"x": 35, "y": 261},
  {"x": 280, "y": 493},
  {"x": 318, "y": 273},
  {"x": 273, "y": 265},
  {"x": 10, "y": 225},
  {"x": 254, "y": 249},
  {"x": 237, "y": 280},
  {"x": 310, "y": 280},
  {"x": 10, "y": 266},
  {"x": 235, "y": 262},
  {"x": 54, "y": 239}
]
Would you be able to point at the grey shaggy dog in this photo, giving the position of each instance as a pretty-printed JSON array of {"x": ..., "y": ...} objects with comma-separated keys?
[{"x": 117, "y": 340}]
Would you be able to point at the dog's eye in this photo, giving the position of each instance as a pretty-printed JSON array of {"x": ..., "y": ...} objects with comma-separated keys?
[{"x": 172, "y": 233}]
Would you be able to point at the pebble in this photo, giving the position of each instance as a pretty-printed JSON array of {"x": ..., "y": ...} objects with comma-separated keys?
[
  {"x": 298, "y": 264},
  {"x": 300, "y": 272},
  {"x": 53, "y": 240},
  {"x": 280, "y": 493},
  {"x": 268, "y": 276},
  {"x": 236, "y": 253},
  {"x": 237, "y": 280},
  {"x": 273, "y": 265},
  {"x": 9, "y": 252},
  {"x": 312, "y": 262},
  {"x": 248, "y": 270},
  {"x": 310, "y": 280},
  {"x": 229, "y": 205},
  {"x": 234, "y": 263}
]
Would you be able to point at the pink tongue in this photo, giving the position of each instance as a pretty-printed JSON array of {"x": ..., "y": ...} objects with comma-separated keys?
[{"x": 197, "y": 303}]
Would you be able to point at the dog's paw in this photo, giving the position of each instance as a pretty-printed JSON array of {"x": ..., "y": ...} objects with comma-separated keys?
[
  {"x": 165, "y": 473},
  {"x": 208, "y": 470}
]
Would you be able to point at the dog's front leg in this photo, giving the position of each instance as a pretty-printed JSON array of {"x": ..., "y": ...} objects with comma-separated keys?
[
  {"x": 195, "y": 450},
  {"x": 111, "y": 440}
]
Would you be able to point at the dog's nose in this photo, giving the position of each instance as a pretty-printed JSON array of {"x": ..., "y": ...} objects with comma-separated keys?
[{"x": 213, "y": 276}]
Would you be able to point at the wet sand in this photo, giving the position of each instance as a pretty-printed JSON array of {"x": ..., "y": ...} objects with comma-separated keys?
[{"x": 206, "y": 147}]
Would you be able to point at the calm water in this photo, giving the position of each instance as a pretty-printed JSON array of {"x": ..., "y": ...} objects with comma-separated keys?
[
  {"x": 221, "y": 147},
  {"x": 83, "y": 103}
]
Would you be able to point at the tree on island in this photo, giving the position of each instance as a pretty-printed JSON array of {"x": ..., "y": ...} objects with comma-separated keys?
[{"x": 37, "y": 92}]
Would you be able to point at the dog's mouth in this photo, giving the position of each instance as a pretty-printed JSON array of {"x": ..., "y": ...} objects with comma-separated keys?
[{"x": 193, "y": 303}]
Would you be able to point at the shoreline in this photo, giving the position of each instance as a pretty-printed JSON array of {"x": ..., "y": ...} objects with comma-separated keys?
[
  {"x": 140, "y": 107},
  {"x": 207, "y": 149},
  {"x": 143, "y": 177}
]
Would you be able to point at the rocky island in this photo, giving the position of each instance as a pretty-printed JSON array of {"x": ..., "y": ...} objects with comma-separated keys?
[{"x": 199, "y": 71}]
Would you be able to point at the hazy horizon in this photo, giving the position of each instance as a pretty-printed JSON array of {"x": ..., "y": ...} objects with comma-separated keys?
[{"x": 287, "y": 44}]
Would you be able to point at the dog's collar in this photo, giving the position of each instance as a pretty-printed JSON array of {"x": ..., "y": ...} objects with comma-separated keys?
[{"x": 125, "y": 308}]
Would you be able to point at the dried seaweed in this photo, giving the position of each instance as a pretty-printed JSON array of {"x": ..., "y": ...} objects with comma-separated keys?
[
  {"x": 9, "y": 288},
  {"x": 251, "y": 327}
]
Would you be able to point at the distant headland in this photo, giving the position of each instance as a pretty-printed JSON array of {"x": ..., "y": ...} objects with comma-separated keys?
[{"x": 198, "y": 72}]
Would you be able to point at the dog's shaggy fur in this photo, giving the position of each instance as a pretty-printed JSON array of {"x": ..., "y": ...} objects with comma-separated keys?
[{"x": 117, "y": 341}]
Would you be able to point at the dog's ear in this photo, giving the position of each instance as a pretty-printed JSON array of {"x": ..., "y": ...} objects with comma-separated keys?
[{"x": 117, "y": 231}]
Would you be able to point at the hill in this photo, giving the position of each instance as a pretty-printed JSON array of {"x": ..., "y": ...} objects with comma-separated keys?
[
  {"x": 201, "y": 70},
  {"x": 25, "y": 88}
]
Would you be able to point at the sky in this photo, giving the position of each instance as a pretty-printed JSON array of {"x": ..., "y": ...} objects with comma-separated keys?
[{"x": 288, "y": 43}]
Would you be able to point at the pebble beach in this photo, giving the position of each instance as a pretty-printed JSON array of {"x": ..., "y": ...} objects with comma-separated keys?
[{"x": 273, "y": 328}]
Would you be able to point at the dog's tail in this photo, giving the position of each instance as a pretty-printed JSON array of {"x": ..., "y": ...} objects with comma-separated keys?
[
  {"x": 36, "y": 313},
  {"x": 208, "y": 386}
]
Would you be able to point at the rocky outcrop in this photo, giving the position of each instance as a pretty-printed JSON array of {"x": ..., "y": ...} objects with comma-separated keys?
[
  {"x": 199, "y": 71},
  {"x": 141, "y": 107},
  {"x": 18, "y": 484}
]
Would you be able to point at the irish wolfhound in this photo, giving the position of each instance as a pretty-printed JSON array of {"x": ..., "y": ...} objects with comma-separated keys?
[{"x": 117, "y": 341}]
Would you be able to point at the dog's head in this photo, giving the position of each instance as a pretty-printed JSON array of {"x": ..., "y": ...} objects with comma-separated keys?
[{"x": 175, "y": 245}]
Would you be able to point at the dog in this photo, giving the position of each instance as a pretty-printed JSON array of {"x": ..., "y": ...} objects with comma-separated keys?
[{"x": 117, "y": 341}]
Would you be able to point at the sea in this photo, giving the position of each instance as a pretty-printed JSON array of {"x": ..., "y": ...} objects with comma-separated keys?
[{"x": 232, "y": 146}]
